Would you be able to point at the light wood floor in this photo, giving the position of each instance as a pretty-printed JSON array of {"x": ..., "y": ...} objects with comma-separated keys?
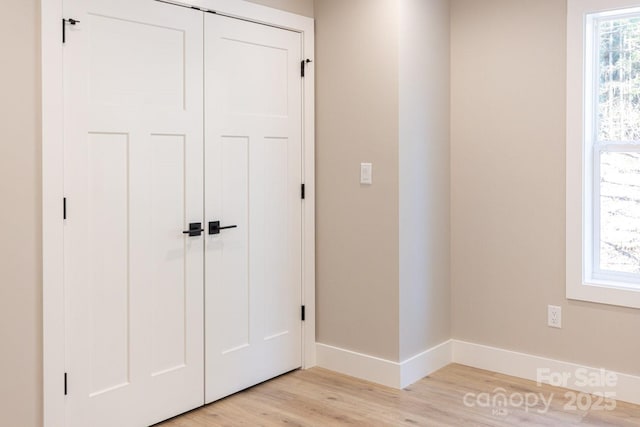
[{"x": 318, "y": 397}]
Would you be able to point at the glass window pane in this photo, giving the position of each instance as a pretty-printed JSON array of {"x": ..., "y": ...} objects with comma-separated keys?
[
  {"x": 620, "y": 211},
  {"x": 618, "y": 108}
]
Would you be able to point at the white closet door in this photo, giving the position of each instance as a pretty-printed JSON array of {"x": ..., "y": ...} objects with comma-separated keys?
[
  {"x": 133, "y": 182},
  {"x": 253, "y": 167}
]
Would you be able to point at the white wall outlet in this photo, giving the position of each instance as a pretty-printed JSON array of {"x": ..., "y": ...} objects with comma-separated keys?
[
  {"x": 366, "y": 172},
  {"x": 554, "y": 316}
]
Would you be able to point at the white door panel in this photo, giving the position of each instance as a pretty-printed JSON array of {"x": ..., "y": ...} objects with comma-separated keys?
[
  {"x": 252, "y": 180},
  {"x": 133, "y": 179},
  {"x": 155, "y": 137}
]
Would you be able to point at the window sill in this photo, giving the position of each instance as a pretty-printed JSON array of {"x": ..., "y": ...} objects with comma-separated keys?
[{"x": 605, "y": 292}]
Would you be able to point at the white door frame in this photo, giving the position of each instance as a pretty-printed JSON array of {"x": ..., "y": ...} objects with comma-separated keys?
[{"x": 53, "y": 188}]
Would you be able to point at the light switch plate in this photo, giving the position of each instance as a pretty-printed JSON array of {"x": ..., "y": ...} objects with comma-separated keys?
[{"x": 366, "y": 172}]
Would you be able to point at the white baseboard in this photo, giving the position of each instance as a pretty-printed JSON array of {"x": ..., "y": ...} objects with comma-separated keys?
[
  {"x": 401, "y": 374},
  {"x": 425, "y": 363},
  {"x": 382, "y": 371},
  {"x": 625, "y": 387},
  {"x": 358, "y": 365}
]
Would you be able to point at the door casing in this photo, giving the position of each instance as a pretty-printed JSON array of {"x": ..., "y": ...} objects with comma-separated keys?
[{"x": 53, "y": 185}]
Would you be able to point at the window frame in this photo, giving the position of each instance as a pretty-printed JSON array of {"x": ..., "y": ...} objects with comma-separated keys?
[{"x": 583, "y": 281}]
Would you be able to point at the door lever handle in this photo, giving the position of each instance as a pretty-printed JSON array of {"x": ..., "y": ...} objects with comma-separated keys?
[
  {"x": 195, "y": 229},
  {"x": 214, "y": 227}
]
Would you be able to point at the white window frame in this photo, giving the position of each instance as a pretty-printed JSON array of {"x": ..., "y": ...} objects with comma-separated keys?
[{"x": 583, "y": 281}]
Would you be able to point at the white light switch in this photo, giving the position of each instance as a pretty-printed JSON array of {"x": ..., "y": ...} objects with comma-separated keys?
[{"x": 366, "y": 171}]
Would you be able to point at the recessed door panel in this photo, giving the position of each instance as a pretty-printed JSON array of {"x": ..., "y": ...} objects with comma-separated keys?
[
  {"x": 252, "y": 90},
  {"x": 125, "y": 53},
  {"x": 230, "y": 256},
  {"x": 276, "y": 272},
  {"x": 169, "y": 280},
  {"x": 108, "y": 245}
]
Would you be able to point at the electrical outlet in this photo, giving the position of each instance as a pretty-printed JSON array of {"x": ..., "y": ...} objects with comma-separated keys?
[{"x": 554, "y": 316}]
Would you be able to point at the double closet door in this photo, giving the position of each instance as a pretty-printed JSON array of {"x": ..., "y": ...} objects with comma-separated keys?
[{"x": 183, "y": 212}]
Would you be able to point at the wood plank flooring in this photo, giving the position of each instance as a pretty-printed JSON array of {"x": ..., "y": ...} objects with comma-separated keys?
[{"x": 318, "y": 397}]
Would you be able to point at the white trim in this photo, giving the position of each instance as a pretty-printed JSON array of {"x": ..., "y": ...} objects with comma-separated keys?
[
  {"x": 255, "y": 13},
  {"x": 53, "y": 192},
  {"x": 309, "y": 203},
  {"x": 359, "y": 365},
  {"x": 52, "y": 226},
  {"x": 578, "y": 285},
  {"x": 425, "y": 363},
  {"x": 382, "y": 371},
  {"x": 399, "y": 375},
  {"x": 526, "y": 366}
]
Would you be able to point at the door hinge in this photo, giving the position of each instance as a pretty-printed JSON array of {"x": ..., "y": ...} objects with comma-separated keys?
[
  {"x": 302, "y": 192},
  {"x": 65, "y": 383},
  {"x": 302, "y": 314},
  {"x": 64, "y": 208},
  {"x": 69, "y": 21},
  {"x": 302, "y": 66}
]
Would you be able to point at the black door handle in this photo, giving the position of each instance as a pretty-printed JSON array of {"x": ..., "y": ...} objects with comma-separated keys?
[
  {"x": 214, "y": 227},
  {"x": 195, "y": 229}
]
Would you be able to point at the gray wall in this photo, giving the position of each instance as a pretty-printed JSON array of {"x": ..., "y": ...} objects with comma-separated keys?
[
  {"x": 20, "y": 214},
  {"x": 382, "y": 96},
  {"x": 425, "y": 305},
  {"x": 357, "y": 226},
  {"x": 301, "y": 7},
  {"x": 508, "y": 190}
]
